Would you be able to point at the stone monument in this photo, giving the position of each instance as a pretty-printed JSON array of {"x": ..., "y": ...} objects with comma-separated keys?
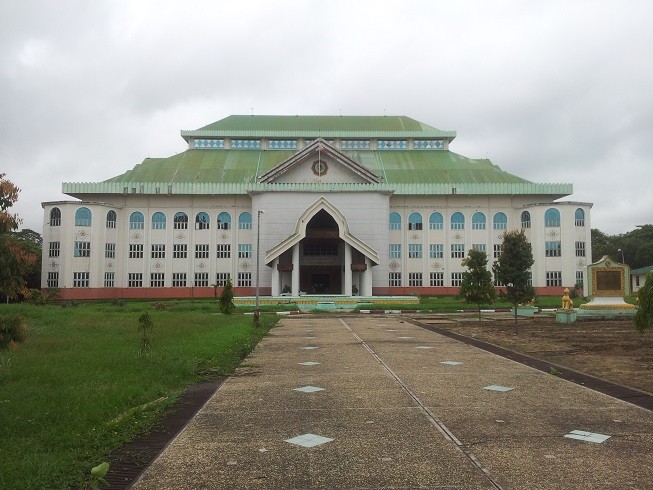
[{"x": 608, "y": 283}]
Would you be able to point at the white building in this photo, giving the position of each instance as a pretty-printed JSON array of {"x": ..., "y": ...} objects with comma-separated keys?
[{"x": 339, "y": 205}]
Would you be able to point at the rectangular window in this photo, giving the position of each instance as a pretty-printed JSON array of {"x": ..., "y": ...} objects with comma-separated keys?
[
  {"x": 436, "y": 225},
  {"x": 580, "y": 279},
  {"x": 178, "y": 279},
  {"x": 457, "y": 225},
  {"x": 415, "y": 279},
  {"x": 244, "y": 250},
  {"x": 244, "y": 225},
  {"x": 179, "y": 251},
  {"x": 579, "y": 222},
  {"x": 415, "y": 226},
  {"x": 82, "y": 249},
  {"x": 580, "y": 249},
  {"x": 109, "y": 279},
  {"x": 157, "y": 279},
  {"x": 221, "y": 279},
  {"x": 201, "y": 279},
  {"x": 53, "y": 280},
  {"x": 135, "y": 280},
  {"x": 497, "y": 283},
  {"x": 54, "y": 249},
  {"x": 553, "y": 249},
  {"x": 224, "y": 251},
  {"x": 414, "y": 250},
  {"x": 554, "y": 278},
  {"x": 395, "y": 225},
  {"x": 136, "y": 251},
  {"x": 202, "y": 251},
  {"x": 498, "y": 247},
  {"x": 436, "y": 251},
  {"x": 478, "y": 225},
  {"x": 81, "y": 279},
  {"x": 321, "y": 249},
  {"x": 437, "y": 278},
  {"x": 109, "y": 250},
  {"x": 479, "y": 247},
  {"x": 394, "y": 279},
  {"x": 158, "y": 251},
  {"x": 457, "y": 250},
  {"x": 244, "y": 279},
  {"x": 394, "y": 250},
  {"x": 180, "y": 224},
  {"x": 456, "y": 278}
]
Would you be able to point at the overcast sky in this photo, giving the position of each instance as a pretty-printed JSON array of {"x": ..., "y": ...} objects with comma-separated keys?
[{"x": 555, "y": 91}]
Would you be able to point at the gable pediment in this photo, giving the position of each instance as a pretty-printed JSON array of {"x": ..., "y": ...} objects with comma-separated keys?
[{"x": 319, "y": 162}]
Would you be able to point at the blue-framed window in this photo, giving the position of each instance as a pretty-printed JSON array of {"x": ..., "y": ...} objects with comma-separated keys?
[
  {"x": 224, "y": 221},
  {"x": 478, "y": 221},
  {"x": 500, "y": 221},
  {"x": 552, "y": 217},
  {"x": 83, "y": 217},
  {"x": 55, "y": 217},
  {"x": 202, "y": 221},
  {"x": 136, "y": 221},
  {"x": 395, "y": 221},
  {"x": 245, "y": 221},
  {"x": 112, "y": 218},
  {"x": 415, "y": 221},
  {"x": 180, "y": 221},
  {"x": 457, "y": 221},
  {"x": 525, "y": 219},
  {"x": 579, "y": 217},
  {"x": 436, "y": 221},
  {"x": 158, "y": 221}
]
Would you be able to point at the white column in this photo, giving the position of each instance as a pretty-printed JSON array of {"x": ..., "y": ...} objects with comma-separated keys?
[
  {"x": 295, "y": 270},
  {"x": 366, "y": 279},
  {"x": 347, "y": 291},
  {"x": 275, "y": 277}
]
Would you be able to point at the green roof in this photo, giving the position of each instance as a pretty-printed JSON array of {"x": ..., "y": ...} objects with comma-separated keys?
[
  {"x": 643, "y": 270},
  {"x": 244, "y": 166},
  {"x": 319, "y": 126}
]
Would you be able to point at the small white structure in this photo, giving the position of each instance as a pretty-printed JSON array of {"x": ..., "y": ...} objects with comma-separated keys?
[{"x": 638, "y": 277}]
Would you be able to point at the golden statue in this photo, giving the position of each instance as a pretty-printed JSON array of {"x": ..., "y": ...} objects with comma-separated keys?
[{"x": 567, "y": 303}]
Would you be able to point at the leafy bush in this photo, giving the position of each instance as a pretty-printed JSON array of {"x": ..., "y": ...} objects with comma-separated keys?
[
  {"x": 159, "y": 305},
  {"x": 226, "y": 301},
  {"x": 13, "y": 331},
  {"x": 118, "y": 302},
  {"x": 71, "y": 303}
]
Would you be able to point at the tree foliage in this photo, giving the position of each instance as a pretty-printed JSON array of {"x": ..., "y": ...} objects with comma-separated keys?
[
  {"x": 512, "y": 269},
  {"x": 644, "y": 315},
  {"x": 226, "y": 301},
  {"x": 636, "y": 245},
  {"x": 17, "y": 260},
  {"x": 476, "y": 286}
]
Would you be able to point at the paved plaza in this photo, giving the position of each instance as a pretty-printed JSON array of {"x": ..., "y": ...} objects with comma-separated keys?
[{"x": 376, "y": 402}]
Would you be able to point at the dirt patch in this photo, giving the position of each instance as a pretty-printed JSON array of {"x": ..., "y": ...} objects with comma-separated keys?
[{"x": 608, "y": 349}]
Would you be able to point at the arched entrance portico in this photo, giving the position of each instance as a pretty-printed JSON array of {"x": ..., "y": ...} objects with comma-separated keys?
[{"x": 322, "y": 257}]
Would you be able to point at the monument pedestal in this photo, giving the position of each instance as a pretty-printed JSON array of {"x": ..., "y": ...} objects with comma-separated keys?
[
  {"x": 565, "y": 316},
  {"x": 609, "y": 282}
]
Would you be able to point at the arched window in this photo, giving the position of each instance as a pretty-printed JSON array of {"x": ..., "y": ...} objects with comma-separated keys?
[
  {"x": 180, "y": 221},
  {"x": 136, "y": 221},
  {"x": 245, "y": 221},
  {"x": 579, "y": 217},
  {"x": 224, "y": 221},
  {"x": 55, "y": 217},
  {"x": 436, "y": 221},
  {"x": 552, "y": 217},
  {"x": 395, "y": 221},
  {"x": 83, "y": 217},
  {"x": 478, "y": 221},
  {"x": 525, "y": 219},
  {"x": 202, "y": 221},
  {"x": 500, "y": 221},
  {"x": 457, "y": 221},
  {"x": 415, "y": 221},
  {"x": 111, "y": 219},
  {"x": 158, "y": 221}
]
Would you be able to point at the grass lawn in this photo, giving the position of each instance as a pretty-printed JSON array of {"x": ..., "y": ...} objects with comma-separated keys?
[{"x": 78, "y": 387}]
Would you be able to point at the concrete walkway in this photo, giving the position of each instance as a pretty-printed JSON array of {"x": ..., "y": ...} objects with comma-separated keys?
[{"x": 396, "y": 406}]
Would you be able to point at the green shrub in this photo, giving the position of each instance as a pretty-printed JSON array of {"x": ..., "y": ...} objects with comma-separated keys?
[
  {"x": 13, "y": 331},
  {"x": 226, "y": 300},
  {"x": 118, "y": 302}
]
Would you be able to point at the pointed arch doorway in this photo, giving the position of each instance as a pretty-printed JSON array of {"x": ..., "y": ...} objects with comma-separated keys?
[{"x": 321, "y": 259}]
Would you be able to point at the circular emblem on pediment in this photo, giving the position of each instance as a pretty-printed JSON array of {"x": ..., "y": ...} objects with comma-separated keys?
[
  {"x": 394, "y": 265},
  {"x": 608, "y": 263},
  {"x": 109, "y": 265},
  {"x": 457, "y": 237},
  {"x": 136, "y": 236},
  {"x": 320, "y": 168},
  {"x": 224, "y": 236},
  {"x": 53, "y": 265},
  {"x": 437, "y": 265},
  {"x": 158, "y": 265},
  {"x": 201, "y": 265},
  {"x": 180, "y": 236},
  {"x": 244, "y": 266}
]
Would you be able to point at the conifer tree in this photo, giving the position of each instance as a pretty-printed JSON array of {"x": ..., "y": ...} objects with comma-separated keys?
[
  {"x": 226, "y": 301},
  {"x": 476, "y": 286}
]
